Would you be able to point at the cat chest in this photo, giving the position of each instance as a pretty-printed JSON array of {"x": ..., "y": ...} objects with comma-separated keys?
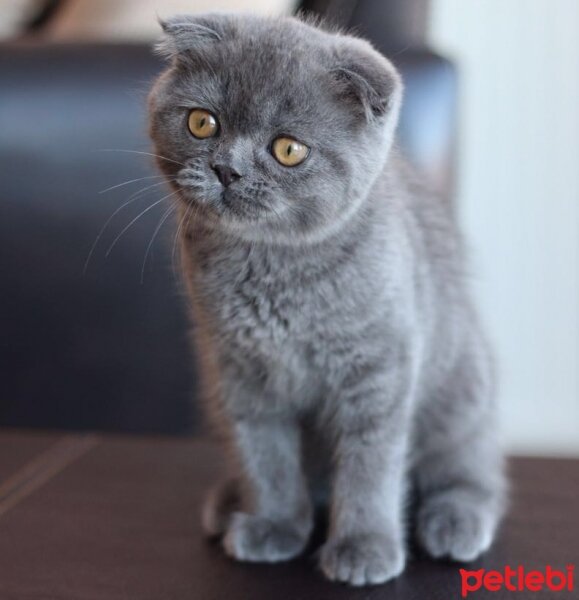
[
  {"x": 260, "y": 309},
  {"x": 254, "y": 316}
]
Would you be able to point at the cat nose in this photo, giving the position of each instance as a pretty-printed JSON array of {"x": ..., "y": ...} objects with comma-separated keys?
[{"x": 225, "y": 174}]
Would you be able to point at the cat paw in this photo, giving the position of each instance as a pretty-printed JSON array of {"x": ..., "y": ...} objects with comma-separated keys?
[
  {"x": 221, "y": 503},
  {"x": 362, "y": 560},
  {"x": 256, "y": 539},
  {"x": 455, "y": 530}
]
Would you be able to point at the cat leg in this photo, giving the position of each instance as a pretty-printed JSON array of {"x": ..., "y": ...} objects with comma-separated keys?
[
  {"x": 279, "y": 519},
  {"x": 459, "y": 469},
  {"x": 366, "y": 540}
]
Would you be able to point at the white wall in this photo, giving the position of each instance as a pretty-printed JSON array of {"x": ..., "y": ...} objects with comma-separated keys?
[{"x": 518, "y": 198}]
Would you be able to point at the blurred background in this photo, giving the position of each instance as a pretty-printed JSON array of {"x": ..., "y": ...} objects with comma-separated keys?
[{"x": 93, "y": 329}]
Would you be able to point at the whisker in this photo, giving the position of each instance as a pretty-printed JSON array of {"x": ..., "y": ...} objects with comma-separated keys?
[
  {"x": 136, "y": 219},
  {"x": 401, "y": 51},
  {"x": 140, "y": 152},
  {"x": 175, "y": 242},
  {"x": 179, "y": 227},
  {"x": 118, "y": 185},
  {"x": 132, "y": 198},
  {"x": 188, "y": 213},
  {"x": 145, "y": 189},
  {"x": 157, "y": 229},
  {"x": 103, "y": 228}
]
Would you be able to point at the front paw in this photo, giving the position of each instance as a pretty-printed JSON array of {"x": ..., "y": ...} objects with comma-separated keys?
[
  {"x": 256, "y": 539},
  {"x": 362, "y": 560},
  {"x": 454, "y": 529}
]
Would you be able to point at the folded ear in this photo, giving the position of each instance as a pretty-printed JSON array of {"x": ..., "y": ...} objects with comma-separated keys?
[
  {"x": 366, "y": 79},
  {"x": 185, "y": 33}
]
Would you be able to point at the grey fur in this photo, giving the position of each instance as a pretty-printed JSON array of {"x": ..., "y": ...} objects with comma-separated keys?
[{"x": 336, "y": 334}]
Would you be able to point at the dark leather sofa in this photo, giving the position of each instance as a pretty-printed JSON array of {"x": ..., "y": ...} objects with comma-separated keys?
[{"x": 99, "y": 349}]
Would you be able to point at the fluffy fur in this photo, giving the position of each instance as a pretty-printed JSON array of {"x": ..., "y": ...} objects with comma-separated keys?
[{"x": 336, "y": 336}]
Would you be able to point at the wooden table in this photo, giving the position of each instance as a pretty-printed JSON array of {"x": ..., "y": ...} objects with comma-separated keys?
[{"x": 86, "y": 517}]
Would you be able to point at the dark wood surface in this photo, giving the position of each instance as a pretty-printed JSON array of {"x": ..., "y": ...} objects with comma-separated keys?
[{"x": 86, "y": 517}]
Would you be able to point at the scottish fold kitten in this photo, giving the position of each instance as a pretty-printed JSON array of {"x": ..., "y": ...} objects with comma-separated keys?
[{"x": 338, "y": 344}]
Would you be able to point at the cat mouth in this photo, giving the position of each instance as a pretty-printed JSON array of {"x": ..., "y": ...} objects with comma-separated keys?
[
  {"x": 227, "y": 204},
  {"x": 241, "y": 208}
]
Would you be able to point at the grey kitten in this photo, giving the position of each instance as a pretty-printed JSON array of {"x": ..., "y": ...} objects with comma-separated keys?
[{"x": 337, "y": 340}]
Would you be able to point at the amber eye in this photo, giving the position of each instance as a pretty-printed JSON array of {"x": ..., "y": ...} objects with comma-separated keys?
[
  {"x": 289, "y": 152},
  {"x": 202, "y": 124}
]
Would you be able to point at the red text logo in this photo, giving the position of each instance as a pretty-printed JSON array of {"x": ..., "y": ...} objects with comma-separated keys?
[{"x": 517, "y": 580}]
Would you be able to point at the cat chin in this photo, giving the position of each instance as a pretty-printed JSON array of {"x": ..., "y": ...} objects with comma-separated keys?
[
  {"x": 225, "y": 205},
  {"x": 235, "y": 218},
  {"x": 220, "y": 214},
  {"x": 270, "y": 231}
]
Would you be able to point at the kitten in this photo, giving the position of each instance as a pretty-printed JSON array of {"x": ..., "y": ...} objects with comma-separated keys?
[{"x": 335, "y": 331}]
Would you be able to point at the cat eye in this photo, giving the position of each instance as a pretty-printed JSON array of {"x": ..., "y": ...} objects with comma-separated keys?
[
  {"x": 289, "y": 152},
  {"x": 202, "y": 124}
]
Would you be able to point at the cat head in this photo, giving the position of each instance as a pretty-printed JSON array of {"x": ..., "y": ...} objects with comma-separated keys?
[{"x": 273, "y": 129}]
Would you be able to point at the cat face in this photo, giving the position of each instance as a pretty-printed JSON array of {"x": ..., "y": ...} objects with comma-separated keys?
[{"x": 271, "y": 128}]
